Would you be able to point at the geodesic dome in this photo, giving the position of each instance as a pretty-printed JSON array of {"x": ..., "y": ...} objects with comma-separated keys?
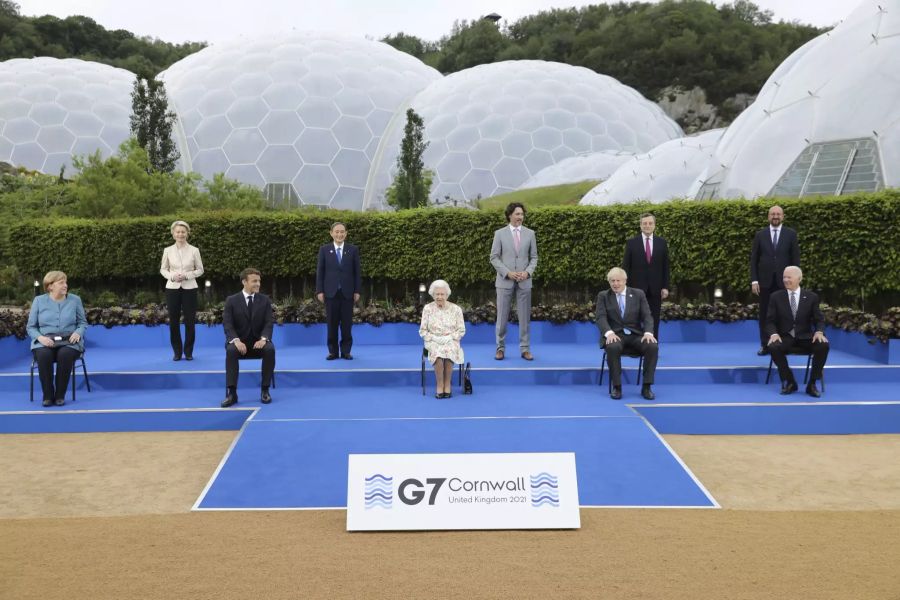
[
  {"x": 301, "y": 114},
  {"x": 826, "y": 122},
  {"x": 597, "y": 166},
  {"x": 493, "y": 126},
  {"x": 664, "y": 173},
  {"x": 53, "y": 109}
]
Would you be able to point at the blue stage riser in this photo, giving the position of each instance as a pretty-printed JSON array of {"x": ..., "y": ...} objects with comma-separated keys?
[{"x": 95, "y": 421}]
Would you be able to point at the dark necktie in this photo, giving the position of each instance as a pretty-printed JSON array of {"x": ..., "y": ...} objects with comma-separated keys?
[
  {"x": 775, "y": 238},
  {"x": 250, "y": 304}
]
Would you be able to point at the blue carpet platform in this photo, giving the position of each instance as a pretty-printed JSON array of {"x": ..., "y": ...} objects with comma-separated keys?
[{"x": 292, "y": 454}]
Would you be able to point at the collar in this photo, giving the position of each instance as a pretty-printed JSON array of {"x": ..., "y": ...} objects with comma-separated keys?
[
  {"x": 519, "y": 228},
  {"x": 246, "y": 295},
  {"x": 773, "y": 228},
  {"x": 338, "y": 246},
  {"x": 645, "y": 236},
  {"x": 797, "y": 291}
]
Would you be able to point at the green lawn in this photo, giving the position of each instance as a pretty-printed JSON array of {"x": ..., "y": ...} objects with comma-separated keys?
[{"x": 556, "y": 195}]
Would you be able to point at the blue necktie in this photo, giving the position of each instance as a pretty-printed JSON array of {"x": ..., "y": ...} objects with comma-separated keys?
[
  {"x": 339, "y": 254},
  {"x": 621, "y": 304}
]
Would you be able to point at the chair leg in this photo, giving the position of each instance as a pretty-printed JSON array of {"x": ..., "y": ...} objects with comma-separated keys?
[
  {"x": 423, "y": 375},
  {"x": 87, "y": 381},
  {"x": 73, "y": 380},
  {"x": 460, "y": 375},
  {"x": 602, "y": 366},
  {"x": 32, "y": 380},
  {"x": 640, "y": 369},
  {"x": 806, "y": 371},
  {"x": 273, "y": 379},
  {"x": 769, "y": 372}
]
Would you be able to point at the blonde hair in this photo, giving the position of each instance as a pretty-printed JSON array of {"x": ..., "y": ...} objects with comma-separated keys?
[
  {"x": 617, "y": 271},
  {"x": 52, "y": 277},
  {"x": 179, "y": 224}
]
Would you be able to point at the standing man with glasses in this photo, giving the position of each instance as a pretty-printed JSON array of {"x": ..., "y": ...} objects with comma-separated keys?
[
  {"x": 794, "y": 321},
  {"x": 647, "y": 264},
  {"x": 338, "y": 281},
  {"x": 248, "y": 320},
  {"x": 514, "y": 258},
  {"x": 774, "y": 248}
]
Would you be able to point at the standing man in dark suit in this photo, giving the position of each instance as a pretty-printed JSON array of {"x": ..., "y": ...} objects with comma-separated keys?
[
  {"x": 774, "y": 248},
  {"x": 793, "y": 321},
  {"x": 625, "y": 323},
  {"x": 647, "y": 264},
  {"x": 338, "y": 281},
  {"x": 248, "y": 321},
  {"x": 514, "y": 258}
]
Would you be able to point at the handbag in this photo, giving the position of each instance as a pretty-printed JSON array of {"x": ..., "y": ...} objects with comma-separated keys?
[{"x": 467, "y": 380}]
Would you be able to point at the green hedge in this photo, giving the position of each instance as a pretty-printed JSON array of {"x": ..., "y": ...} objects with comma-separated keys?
[{"x": 848, "y": 243}]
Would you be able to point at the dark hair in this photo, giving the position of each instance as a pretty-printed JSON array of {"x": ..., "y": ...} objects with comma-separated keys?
[
  {"x": 248, "y": 272},
  {"x": 511, "y": 208},
  {"x": 648, "y": 214}
]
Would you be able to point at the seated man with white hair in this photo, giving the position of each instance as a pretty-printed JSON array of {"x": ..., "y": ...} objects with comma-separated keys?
[
  {"x": 626, "y": 323},
  {"x": 442, "y": 329},
  {"x": 794, "y": 321}
]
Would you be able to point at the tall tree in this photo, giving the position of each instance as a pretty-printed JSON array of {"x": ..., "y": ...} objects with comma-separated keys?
[
  {"x": 412, "y": 182},
  {"x": 151, "y": 123}
]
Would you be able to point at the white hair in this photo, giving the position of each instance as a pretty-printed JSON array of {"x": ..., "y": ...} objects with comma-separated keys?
[
  {"x": 794, "y": 268},
  {"x": 438, "y": 283},
  {"x": 617, "y": 271}
]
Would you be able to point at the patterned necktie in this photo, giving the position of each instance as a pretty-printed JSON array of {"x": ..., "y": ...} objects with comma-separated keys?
[
  {"x": 339, "y": 257},
  {"x": 647, "y": 249},
  {"x": 516, "y": 238},
  {"x": 794, "y": 304},
  {"x": 774, "y": 237}
]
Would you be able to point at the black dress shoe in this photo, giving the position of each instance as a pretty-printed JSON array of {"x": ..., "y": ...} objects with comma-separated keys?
[
  {"x": 177, "y": 357},
  {"x": 616, "y": 393},
  {"x": 188, "y": 357},
  {"x": 439, "y": 395},
  {"x": 264, "y": 397},
  {"x": 647, "y": 393},
  {"x": 347, "y": 356},
  {"x": 763, "y": 351},
  {"x": 331, "y": 357},
  {"x": 812, "y": 391},
  {"x": 48, "y": 402},
  {"x": 60, "y": 401},
  {"x": 788, "y": 387},
  {"x": 448, "y": 394},
  {"x": 230, "y": 400}
]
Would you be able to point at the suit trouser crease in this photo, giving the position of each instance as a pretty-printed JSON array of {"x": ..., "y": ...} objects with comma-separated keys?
[
  {"x": 65, "y": 358},
  {"x": 523, "y": 311},
  {"x": 781, "y": 350},
  {"x": 339, "y": 315},
  {"x": 631, "y": 343},
  {"x": 233, "y": 357},
  {"x": 181, "y": 301}
]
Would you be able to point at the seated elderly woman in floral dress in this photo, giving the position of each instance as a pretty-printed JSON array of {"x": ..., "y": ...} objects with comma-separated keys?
[{"x": 442, "y": 328}]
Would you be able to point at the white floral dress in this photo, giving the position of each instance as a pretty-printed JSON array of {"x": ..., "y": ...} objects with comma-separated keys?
[{"x": 442, "y": 329}]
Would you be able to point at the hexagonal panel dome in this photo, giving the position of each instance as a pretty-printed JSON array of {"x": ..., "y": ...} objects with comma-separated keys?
[
  {"x": 826, "y": 122},
  {"x": 664, "y": 173},
  {"x": 307, "y": 106},
  {"x": 539, "y": 112},
  {"x": 52, "y": 109},
  {"x": 599, "y": 166}
]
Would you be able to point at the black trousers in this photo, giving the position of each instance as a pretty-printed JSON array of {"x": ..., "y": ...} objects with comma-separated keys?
[
  {"x": 181, "y": 301},
  {"x": 339, "y": 314},
  {"x": 780, "y": 350},
  {"x": 64, "y": 357},
  {"x": 232, "y": 357},
  {"x": 631, "y": 343},
  {"x": 765, "y": 290}
]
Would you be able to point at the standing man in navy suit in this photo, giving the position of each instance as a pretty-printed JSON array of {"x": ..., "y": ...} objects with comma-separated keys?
[
  {"x": 793, "y": 321},
  {"x": 647, "y": 264},
  {"x": 338, "y": 281},
  {"x": 774, "y": 248}
]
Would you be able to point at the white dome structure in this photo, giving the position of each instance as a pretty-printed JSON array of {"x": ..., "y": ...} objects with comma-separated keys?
[
  {"x": 664, "y": 173},
  {"x": 53, "y": 109},
  {"x": 827, "y": 122},
  {"x": 492, "y": 127},
  {"x": 598, "y": 166},
  {"x": 301, "y": 114}
]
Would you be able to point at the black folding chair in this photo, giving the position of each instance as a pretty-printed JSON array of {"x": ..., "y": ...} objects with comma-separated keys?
[
  {"x": 87, "y": 381},
  {"x": 797, "y": 352},
  {"x": 425, "y": 359},
  {"x": 637, "y": 355}
]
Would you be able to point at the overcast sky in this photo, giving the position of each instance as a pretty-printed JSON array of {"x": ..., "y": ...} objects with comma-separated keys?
[{"x": 217, "y": 20}]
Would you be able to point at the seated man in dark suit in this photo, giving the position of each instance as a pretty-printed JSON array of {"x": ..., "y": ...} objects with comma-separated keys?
[
  {"x": 248, "y": 321},
  {"x": 625, "y": 322},
  {"x": 794, "y": 321}
]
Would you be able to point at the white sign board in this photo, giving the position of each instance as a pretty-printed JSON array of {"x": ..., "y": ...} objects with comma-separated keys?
[{"x": 462, "y": 491}]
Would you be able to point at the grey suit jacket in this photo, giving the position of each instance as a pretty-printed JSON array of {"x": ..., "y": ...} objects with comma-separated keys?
[
  {"x": 637, "y": 319},
  {"x": 504, "y": 257}
]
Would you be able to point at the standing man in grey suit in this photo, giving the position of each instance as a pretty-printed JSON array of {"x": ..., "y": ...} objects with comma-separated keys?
[
  {"x": 774, "y": 248},
  {"x": 625, "y": 323},
  {"x": 514, "y": 257}
]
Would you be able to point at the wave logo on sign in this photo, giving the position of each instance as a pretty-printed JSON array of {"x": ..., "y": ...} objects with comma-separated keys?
[
  {"x": 379, "y": 491},
  {"x": 544, "y": 490}
]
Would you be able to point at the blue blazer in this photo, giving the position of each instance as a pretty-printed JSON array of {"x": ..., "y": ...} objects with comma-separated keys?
[
  {"x": 49, "y": 316},
  {"x": 332, "y": 275}
]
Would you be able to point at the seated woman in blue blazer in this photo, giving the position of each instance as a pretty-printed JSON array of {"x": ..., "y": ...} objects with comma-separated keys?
[{"x": 56, "y": 326}]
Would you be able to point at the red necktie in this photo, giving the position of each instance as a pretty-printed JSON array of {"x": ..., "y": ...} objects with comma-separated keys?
[{"x": 647, "y": 249}]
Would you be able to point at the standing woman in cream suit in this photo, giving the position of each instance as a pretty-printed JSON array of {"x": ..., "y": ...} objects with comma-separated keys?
[{"x": 181, "y": 266}]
